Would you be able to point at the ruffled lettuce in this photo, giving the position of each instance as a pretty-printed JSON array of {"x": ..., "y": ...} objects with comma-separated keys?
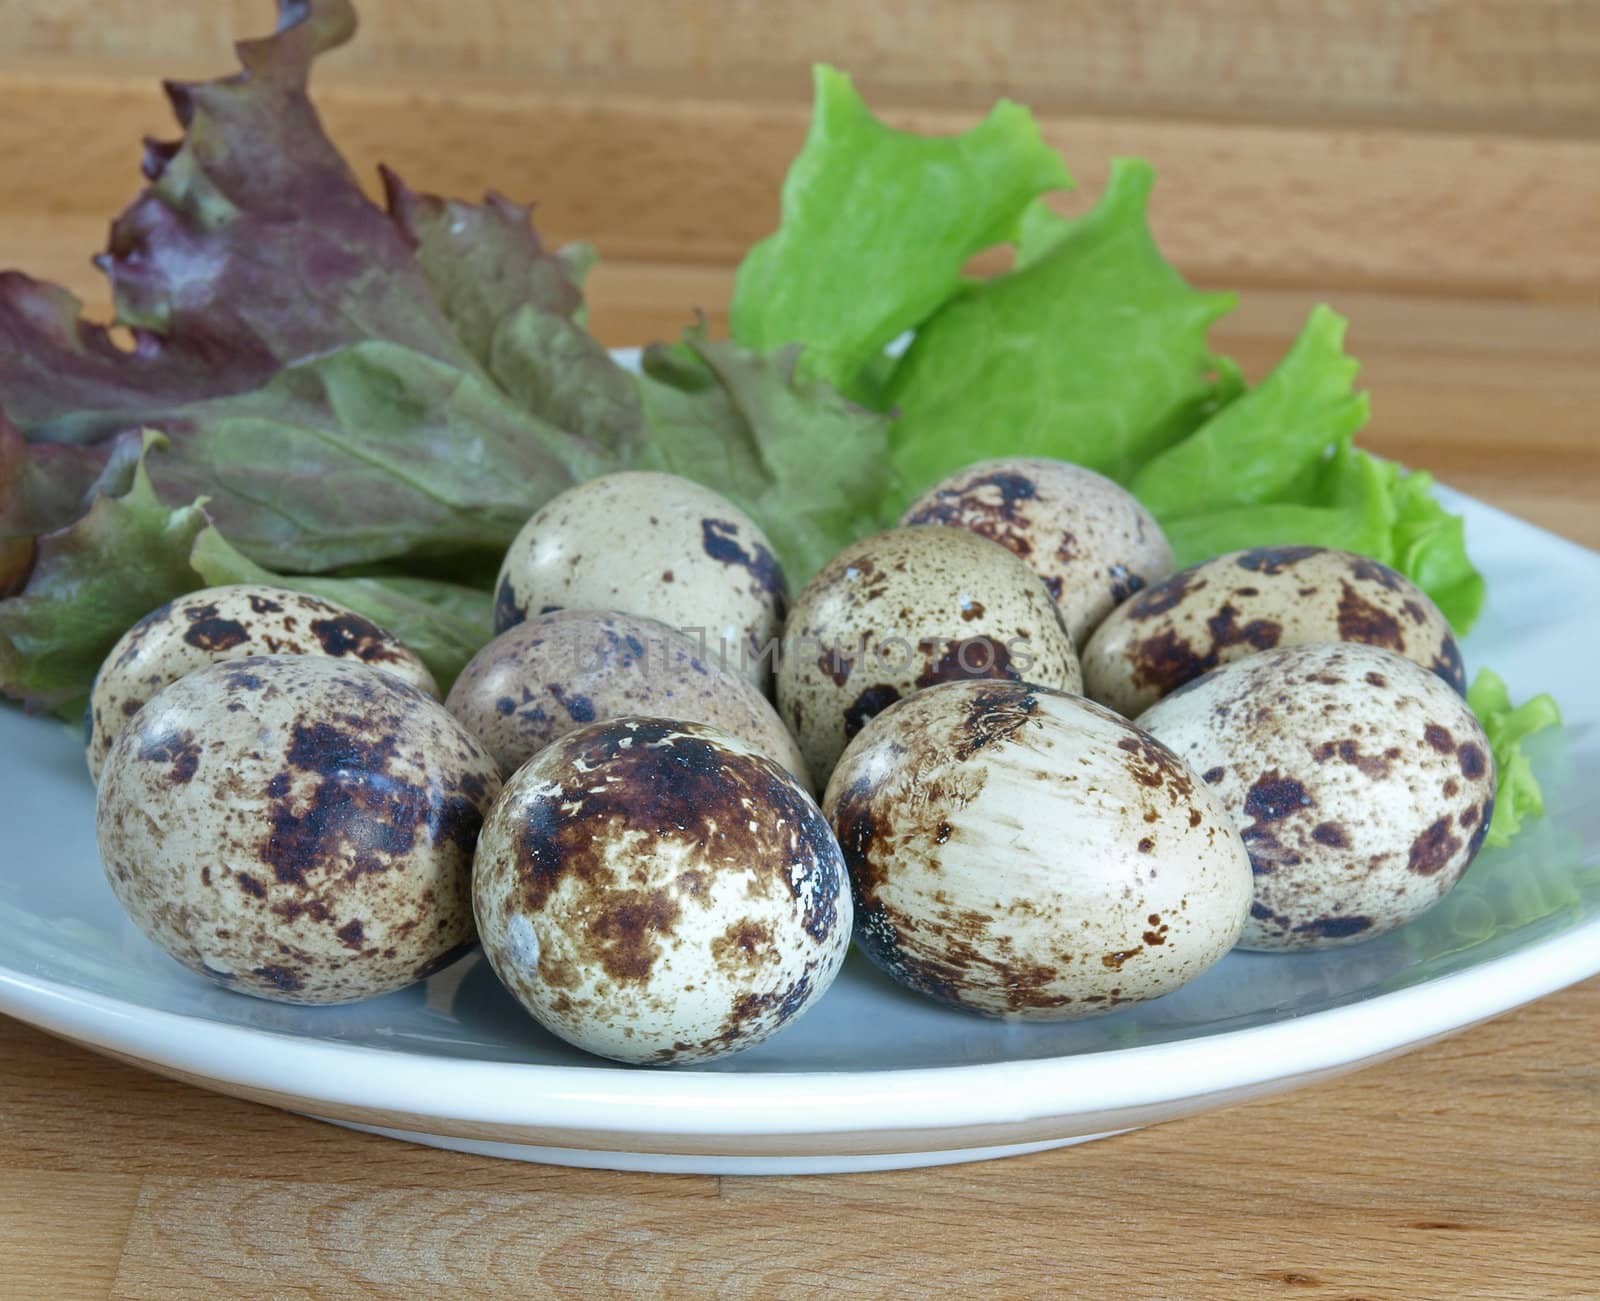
[
  {"x": 876, "y": 227},
  {"x": 1518, "y": 797},
  {"x": 1094, "y": 351},
  {"x": 1278, "y": 466},
  {"x": 1429, "y": 545},
  {"x": 1257, "y": 449}
]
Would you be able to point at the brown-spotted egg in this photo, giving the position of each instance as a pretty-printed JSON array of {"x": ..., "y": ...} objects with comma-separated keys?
[
  {"x": 1090, "y": 540},
  {"x": 657, "y": 545},
  {"x": 657, "y": 891},
  {"x": 907, "y": 609},
  {"x": 1249, "y": 601},
  {"x": 229, "y": 623},
  {"x": 1361, "y": 783},
  {"x": 1027, "y": 853},
  {"x": 296, "y": 827},
  {"x": 558, "y": 671}
]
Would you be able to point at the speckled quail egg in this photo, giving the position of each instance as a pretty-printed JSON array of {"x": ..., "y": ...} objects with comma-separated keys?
[
  {"x": 658, "y": 891},
  {"x": 1249, "y": 601},
  {"x": 1027, "y": 853},
  {"x": 656, "y": 545},
  {"x": 1090, "y": 540},
  {"x": 296, "y": 827},
  {"x": 1361, "y": 783},
  {"x": 903, "y": 610},
  {"x": 229, "y": 623},
  {"x": 556, "y": 672}
]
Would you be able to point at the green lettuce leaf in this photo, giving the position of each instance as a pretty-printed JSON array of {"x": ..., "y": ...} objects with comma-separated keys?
[
  {"x": 1039, "y": 231},
  {"x": 371, "y": 452},
  {"x": 1258, "y": 447},
  {"x": 877, "y": 225},
  {"x": 1429, "y": 546},
  {"x": 1518, "y": 797},
  {"x": 1350, "y": 508},
  {"x": 88, "y": 583},
  {"x": 1278, "y": 466},
  {"x": 808, "y": 465},
  {"x": 1094, "y": 352}
]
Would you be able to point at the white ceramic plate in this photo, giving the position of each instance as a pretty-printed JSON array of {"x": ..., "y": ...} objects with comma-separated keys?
[{"x": 874, "y": 1077}]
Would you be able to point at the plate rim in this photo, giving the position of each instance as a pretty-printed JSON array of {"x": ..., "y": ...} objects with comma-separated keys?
[{"x": 641, "y": 1100}]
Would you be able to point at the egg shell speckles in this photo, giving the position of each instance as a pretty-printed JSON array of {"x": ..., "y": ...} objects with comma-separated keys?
[
  {"x": 1026, "y": 853},
  {"x": 296, "y": 827},
  {"x": 656, "y": 545},
  {"x": 559, "y": 671},
  {"x": 230, "y": 623},
  {"x": 1249, "y": 601},
  {"x": 660, "y": 892},
  {"x": 1089, "y": 539},
  {"x": 904, "y": 610},
  {"x": 1361, "y": 783}
]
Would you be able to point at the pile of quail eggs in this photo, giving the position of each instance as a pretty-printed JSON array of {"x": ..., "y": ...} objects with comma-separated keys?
[{"x": 1054, "y": 776}]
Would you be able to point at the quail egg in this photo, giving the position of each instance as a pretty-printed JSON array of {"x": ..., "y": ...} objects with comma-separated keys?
[
  {"x": 657, "y": 545},
  {"x": 296, "y": 827},
  {"x": 658, "y": 891},
  {"x": 556, "y": 672},
  {"x": 1090, "y": 540},
  {"x": 1361, "y": 782},
  {"x": 904, "y": 610},
  {"x": 229, "y": 623},
  {"x": 1027, "y": 853},
  {"x": 1249, "y": 601}
]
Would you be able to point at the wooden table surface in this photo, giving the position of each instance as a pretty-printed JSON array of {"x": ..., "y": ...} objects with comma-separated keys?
[{"x": 1443, "y": 196}]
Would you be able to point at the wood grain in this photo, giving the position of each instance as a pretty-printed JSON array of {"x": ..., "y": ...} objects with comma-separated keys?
[
  {"x": 44, "y": 1249},
  {"x": 1523, "y": 64},
  {"x": 1465, "y": 1170},
  {"x": 678, "y": 178}
]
